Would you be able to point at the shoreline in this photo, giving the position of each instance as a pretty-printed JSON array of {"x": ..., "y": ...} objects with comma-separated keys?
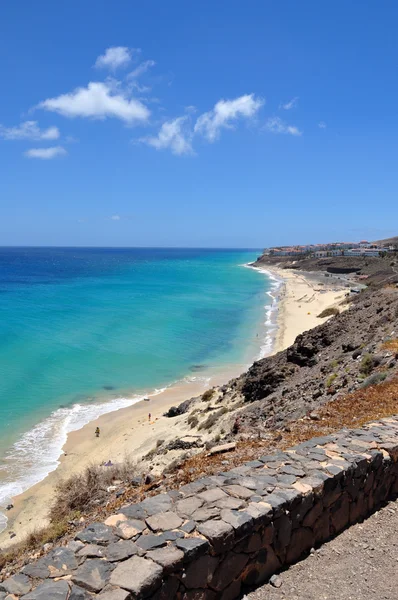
[{"x": 128, "y": 431}]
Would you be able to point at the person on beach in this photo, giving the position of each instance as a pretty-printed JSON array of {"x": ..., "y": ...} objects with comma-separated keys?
[
  {"x": 97, "y": 432},
  {"x": 149, "y": 417}
]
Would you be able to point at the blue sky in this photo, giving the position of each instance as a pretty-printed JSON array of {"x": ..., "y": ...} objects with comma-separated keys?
[{"x": 232, "y": 124}]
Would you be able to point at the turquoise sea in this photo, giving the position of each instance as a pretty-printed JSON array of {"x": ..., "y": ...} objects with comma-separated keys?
[{"x": 84, "y": 331}]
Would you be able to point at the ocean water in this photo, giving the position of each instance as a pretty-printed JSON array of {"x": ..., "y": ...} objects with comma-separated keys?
[{"x": 86, "y": 331}]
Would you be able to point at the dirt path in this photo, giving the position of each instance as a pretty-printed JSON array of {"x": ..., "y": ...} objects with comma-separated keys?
[{"x": 360, "y": 564}]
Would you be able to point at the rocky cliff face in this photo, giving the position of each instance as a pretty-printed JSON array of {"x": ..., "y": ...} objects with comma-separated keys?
[{"x": 355, "y": 348}]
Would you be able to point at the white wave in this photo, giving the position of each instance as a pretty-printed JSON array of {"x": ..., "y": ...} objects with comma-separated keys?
[{"x": 271, "y": 311}]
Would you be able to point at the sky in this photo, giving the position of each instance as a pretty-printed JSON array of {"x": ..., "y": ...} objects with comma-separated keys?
[{"x": 205, "y": 124}]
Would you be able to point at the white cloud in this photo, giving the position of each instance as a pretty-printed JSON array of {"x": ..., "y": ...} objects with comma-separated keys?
[
  {"x": 276, "y": 125},
  {"x": 322, "y": 125},
  {"x": 46, "y": 153},
  {"x": 224, "y": 113},
  {"x": 98, "y": 101},
  {"x": 142, "y": 68},
  {"x": 291, "y": 104},
  {"x": 115, "y": 217},
  {"x": 174, "y": 135},
  {"x": 115, "y": 57},
  {"x": 29, "y": 130}
]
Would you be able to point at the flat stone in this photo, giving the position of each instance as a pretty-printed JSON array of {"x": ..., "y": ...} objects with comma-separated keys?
[
  {"x": 148, "y": 542},
  {"x": 129, "y": 529},
  {"x": 157, "y": 504},
  {"x": 222, "y": 448},
  {"x": 199, "y": 573},
  {"x": 241, "y": 521},
  {"x": 219, "y": 534},
  {"x": 91, "y": 551},
  {"x": 172, "y": 536},
  {"x": 114, "y": 520},
  {"x": 17, "y": 584},
  {"x": 188, "y": 527},
  {"x": 204, "y": 514},
  {"x": 93, "y": 574},
  {"x": 120, "y": 550},
  {"x": 75, "y": 545},
  {"x": 37, "y": 570},
  {"x": 212, "y": 495},
  {"x": 254, "y": 464},
  {"x": 287, "y": 479},
  {"x": 260, "y": 512},
  {"x": 187, "y": 506},
  {"x": 247, "y": 482},
  {"x": 231, "y": 503},
  {"x": 78, "y": 593},
  {"x": 164, "y": 521},
  {"x": 192, "y": 547},
  {"x": 115, "y": 594},
  {"x": 60, "y": 562},
  {"x": 169, "y": 558},
  {"x": 141, "y": 576},
  {"x": 49, "y": 590},
  {"x": 237, "y": 491},
  {"x": 134, "y": 511},
  {"x": 97, "y": 533}
]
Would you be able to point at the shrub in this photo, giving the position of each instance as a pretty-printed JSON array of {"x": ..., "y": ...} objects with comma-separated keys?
[
  {"x": 329, "y": 312},
  {"x": 366, "y": 365},
  {"x": 391, "y": 345},
  {"x": 213, "y": 418},
  {"x": 374, "y": 379},
  {"x": 84, "y": 491},
  {"x": 193, "y": 420},
  {"x": 208, "y": 395},
  {"x": 330, "y": 380}
]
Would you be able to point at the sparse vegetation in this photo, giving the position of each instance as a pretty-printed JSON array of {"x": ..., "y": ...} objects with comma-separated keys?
[
  {"x": 329, "y": 312},
  {"x": 208, "y": 395},
  {"x": 213, "y": 418},
  {"x": 330, "y": 380},
  {"x": 366, "y": 365},
  {"x": 84, "y": 491},
  {"x": 193, "y": 421},
  {"x": 374, "y": 379},
  {"x": 391, "y": 345}
]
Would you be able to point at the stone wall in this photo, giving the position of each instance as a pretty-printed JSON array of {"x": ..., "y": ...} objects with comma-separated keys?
[{"x": 216, "y": 537}]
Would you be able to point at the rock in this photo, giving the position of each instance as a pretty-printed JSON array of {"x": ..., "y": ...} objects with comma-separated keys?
[
  {"x": 129, "y": 529},
  {"x": 169, "y": 558},
  {"x": 9, "y": 506},
  {"x": 276, "y": 581},
  {"x": 164, "y": 521},
  {"x": 141, "y": 576},
  {"x": 120, "y": 550},
  {"x": 49, "y": 590},
  {"x": 114, "y": 520},
  {"x": 93, "y": 574},
  {"x": 17, "y": 584},
  {"x": 199, "y": 573},
  {"x": 149, "y": 542},
  {"x": 187, "y": 506},
  {"x": 91, "y": 551},
  {"x": 37, "y": 570},
  {"x": 48, "y": 547},
  {"x": 192, "y": 547},
  {"x": 230, "y": 568},
  {"x": 222, "y": 448},
  {"x": 219, "y": 534},
  {"x": 115, "y": 594},
  {"x": 97, "y": 533},
  {"x": 78, "y": 593}
]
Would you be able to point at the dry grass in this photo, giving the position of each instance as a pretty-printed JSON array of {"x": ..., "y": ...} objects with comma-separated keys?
[
  {"x": 391, "y": 345},
  {"x": 85, "y": 491}
]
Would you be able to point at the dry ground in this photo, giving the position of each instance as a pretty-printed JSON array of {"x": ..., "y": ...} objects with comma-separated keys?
[{"x": 359, "y": 564}]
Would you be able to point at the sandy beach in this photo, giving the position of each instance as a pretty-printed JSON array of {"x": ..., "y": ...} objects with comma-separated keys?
[{"x": 130, "y": 432}]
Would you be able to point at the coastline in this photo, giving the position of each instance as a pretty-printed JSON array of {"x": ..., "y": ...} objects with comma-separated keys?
[{"x": 129, "y": 432}]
